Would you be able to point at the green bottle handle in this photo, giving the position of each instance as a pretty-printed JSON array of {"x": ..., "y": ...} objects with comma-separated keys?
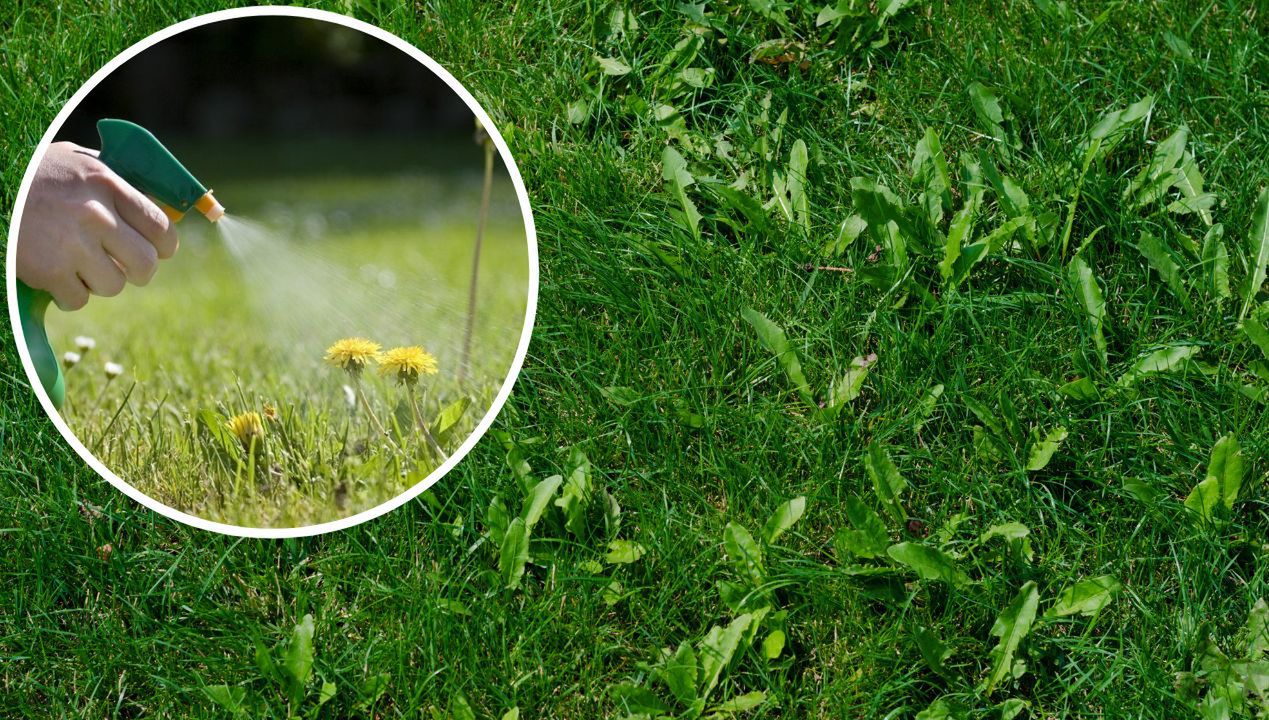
[
  {"x": 32, "y": 304},
  {"x": 140, "y": 159}
]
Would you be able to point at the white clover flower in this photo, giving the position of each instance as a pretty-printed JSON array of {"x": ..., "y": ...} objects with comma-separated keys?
[
  {"x": 113, "y": 370},
  {"x": 350, "y": 397},
  {"x": 85, "y": 343},
  {"x": 71, "y": 359}
]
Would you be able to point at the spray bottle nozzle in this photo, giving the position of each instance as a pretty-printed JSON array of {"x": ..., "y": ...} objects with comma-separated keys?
[{"x": 210, "y": 207}]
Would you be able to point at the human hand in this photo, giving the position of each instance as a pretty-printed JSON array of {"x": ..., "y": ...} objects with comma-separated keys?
[{"x": 84, "y": 230}]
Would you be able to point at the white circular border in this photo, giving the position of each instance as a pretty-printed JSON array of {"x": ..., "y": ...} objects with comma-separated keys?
[{"x": 503, "y": 393}]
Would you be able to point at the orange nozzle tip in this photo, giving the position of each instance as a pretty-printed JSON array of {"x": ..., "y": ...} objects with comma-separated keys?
[
  {"x": 210, "y": 207},
  {"x": 172, "y": 213}
]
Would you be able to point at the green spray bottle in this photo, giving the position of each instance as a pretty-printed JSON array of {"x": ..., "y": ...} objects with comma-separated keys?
[{"x": 140, "y": 159}]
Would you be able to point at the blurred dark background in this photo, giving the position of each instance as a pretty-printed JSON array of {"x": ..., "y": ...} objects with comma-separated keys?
[{"x": 266, "y": 84}]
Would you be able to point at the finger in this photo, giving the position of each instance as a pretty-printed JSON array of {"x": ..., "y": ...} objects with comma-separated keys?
[
  {"x": 102, "y": 276},
  {"x": 70, "y": 293},
  {"x": 145, "y": 217},
  {"x": 135, "y": 255}
]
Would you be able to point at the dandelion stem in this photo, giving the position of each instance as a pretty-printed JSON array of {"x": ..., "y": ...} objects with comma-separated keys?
[
  {"x": 475, "y": 262},
  {"x": 365, "y": 402},
  {"x": 427, "y": 434}
]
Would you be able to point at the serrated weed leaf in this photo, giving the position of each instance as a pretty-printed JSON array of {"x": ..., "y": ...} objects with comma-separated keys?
[
  {"x": 1016, "y": 536},
  {"x": 784, "y": 518},
  {"x": 1160, "y": 173},
  {"x": 1255, "y": 634},
  {"x": 297, "y": 660},
  {"x": 449, "y": 417},
  {"x": 1111, "y": 127},
  {"x": 678, "y": 179},
  {"x": 1042, "y": 450},
  {"x": 930, "y": 173},
  {"x": 1220, "y": 488},
  {"x": 961, "y": 229},
  {"x": 1258, "y": 334},
  {"x": 932, "y": 649},
  {"x": 744, "y": 553},
  {"x": 1215, "y": 258},
  {"x": 681, "y": 674},
  {"x": 847, "y": 233},
  {"x": 1092, "y": 302},
  {"x": 800, "y": 209},
  {"x": 1087, "y": 597},
  {"x": 866, "y": 538},
  {"x": 773, "y": 645},
  {"x": 738, "y": 704},
  {"x": 942, "y": 709},
  {"x": 638, "y": 700},
  {"x": 716, "y": 650},
  {"x": 1011, "y": 626},
  {"x": 612, "y": 66},
  {"x": 851, "y": 384},
  {"x": 1080, "y": 388},
  {"x": 974, "y": 253},
  {"x": 1167, "y": 360},
  {"x": 1102, "y": 139},
  {"x": 1257, "y": 252},
  {"x": 879, "y": 207},
  {"x": 887, "y": 483},
  {"x": 513, "y": 554},
  {"x": 575, "y": 497},
  {"x": 623, "y": 552},
  {"x": 1160, "y": 260},
  {"x": 496, "y": 520},
  {"x": 992, "y": 115},
  {"x": 1189, "y": 183},
  {"x": 774, "y": 340},
  {"x": 983, "y": 414},
  {"x": 926, "y": 406},
  {"x": 928, "y": 563},
  {"x": 538, "y": 500},
  {"x": 232, "y": 699}
]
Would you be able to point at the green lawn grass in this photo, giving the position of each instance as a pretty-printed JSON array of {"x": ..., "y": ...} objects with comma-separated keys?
[{"x": 643, "y": 360}]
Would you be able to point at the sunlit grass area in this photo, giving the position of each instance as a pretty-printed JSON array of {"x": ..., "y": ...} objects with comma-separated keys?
[{"x": 241, "y": 318}]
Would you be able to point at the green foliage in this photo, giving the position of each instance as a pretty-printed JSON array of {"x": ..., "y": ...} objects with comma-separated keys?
[
  {"x": 1042, "y": 449},
  {"x": 1086, "y": 597},
  {"x": 1233, "y": 684},
  {"x": 1166, "y": 360},
  {"x": 867, "y": 537},
  {"x": 993, "y": 116},
  {"x": 520, "y": 541},
  {"x": 774, "y": 340},
  {"x": 1216, "y": 494},
  {"x": 678, "y": 179},
  {"x": 692, "y": 676},
  {"x": 1012, "y": 626},
  {"x": 928, "y": 563},
  {"x": 1257, "y": 252},
  {"x": 784, "y": 518},
  {"x": 286, "y": 681},
  {"x": 887, "y": 483},
  {"x": 1092, "y": 302}
]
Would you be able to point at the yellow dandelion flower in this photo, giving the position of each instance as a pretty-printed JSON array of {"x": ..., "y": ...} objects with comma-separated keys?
[
  {"x": 352, "y": 354},
  {"x": 407, "y": 364},
  {"x": 246, "y": 426},
  {"x": 270, "y": 412}
]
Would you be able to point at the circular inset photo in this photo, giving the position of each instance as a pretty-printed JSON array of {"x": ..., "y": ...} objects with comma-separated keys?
[{"x": 272, "y": 272}]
